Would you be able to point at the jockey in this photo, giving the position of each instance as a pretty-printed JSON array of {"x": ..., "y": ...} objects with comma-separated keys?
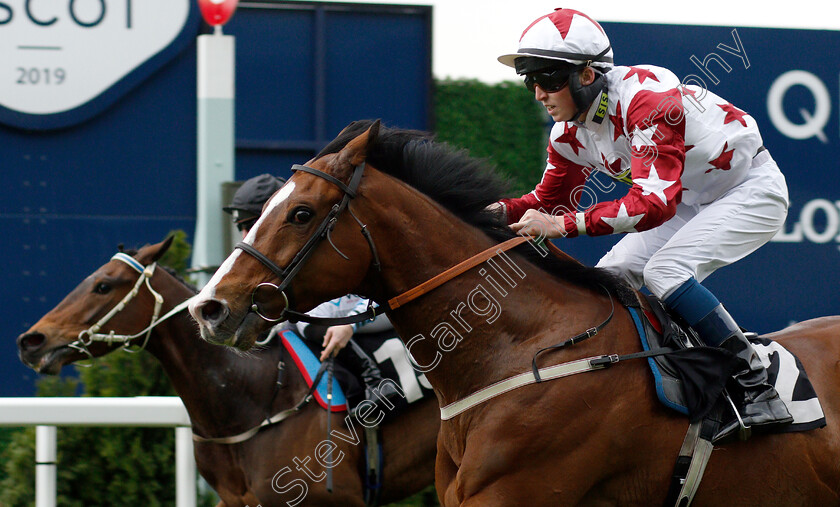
[
  {"x": 246, "y": 207},
  {"x": 704, "y": 192},
  {"x": 249, "y": 199},
  {"x": 335, "y": 338}
]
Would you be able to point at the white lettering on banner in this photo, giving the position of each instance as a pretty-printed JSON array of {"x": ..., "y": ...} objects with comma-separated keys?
[
  {"x": 813, "y": 123},
  {"x": 806, "y": 228},
  {"x": 58, "y": 55}
]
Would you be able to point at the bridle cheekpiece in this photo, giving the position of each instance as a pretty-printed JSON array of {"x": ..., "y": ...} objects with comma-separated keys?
[
  {"x": 92, "y": 334},
  {"x": 287, "y": 274}
]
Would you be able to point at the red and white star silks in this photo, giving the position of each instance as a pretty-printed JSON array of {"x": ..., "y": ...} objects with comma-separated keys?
[{"x": 677, "y": 144}]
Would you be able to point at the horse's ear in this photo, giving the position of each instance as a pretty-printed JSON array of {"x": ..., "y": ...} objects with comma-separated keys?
[
  {"x": 356, "y": 150},
  {"x": 152, "y": 253},
  {"x": 163, "y": 247}
]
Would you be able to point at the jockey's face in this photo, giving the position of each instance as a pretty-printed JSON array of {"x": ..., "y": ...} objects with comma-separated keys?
[{"x": 559, "y": 104}]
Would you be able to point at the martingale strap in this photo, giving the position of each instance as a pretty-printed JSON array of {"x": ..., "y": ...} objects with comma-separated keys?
[{"x": 269, "y": 421}]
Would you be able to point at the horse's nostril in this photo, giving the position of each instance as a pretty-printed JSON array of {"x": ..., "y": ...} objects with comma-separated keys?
[
  {"x": 213, "y": 311},
  {"x": 30, "y": 341}
]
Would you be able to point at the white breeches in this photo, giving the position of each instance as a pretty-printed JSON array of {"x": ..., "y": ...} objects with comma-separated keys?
[{"x": 702, "y": 238}]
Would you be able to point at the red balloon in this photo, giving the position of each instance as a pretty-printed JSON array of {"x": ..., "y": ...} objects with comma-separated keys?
[{"x": 217, "y": 12}]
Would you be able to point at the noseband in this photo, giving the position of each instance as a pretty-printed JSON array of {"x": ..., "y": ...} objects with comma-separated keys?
[{"x": 326, "y": 226}]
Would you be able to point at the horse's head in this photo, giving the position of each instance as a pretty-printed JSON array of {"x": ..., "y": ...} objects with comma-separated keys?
[
  {"x": 305, "y": 248},
  {"x": 62, "y": 335}
]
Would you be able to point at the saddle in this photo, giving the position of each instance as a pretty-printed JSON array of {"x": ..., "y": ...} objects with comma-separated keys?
[
  {"x": 692, "y": 387},
  {"x": 384, "y": 348}
]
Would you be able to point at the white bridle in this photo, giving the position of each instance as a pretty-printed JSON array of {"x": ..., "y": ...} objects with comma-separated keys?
[{"x": 92, "y": 334}]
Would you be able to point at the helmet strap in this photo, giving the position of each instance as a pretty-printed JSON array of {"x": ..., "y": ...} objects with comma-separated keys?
[{"x": 584, "y": 95}]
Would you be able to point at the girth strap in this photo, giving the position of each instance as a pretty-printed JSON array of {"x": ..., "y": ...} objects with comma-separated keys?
[
  {"x": 691, "y": 463},
  {"x": 374, "y": 465}
]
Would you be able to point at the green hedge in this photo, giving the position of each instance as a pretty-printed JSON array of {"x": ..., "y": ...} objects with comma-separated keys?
[{"x": 501, "y": 122}]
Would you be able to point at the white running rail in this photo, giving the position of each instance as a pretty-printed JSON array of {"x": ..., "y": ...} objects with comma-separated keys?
[{"x": 145, "y": 411}]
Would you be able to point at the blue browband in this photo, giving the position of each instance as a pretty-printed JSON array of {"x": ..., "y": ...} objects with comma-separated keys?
[{"x": 131, "y": 261}]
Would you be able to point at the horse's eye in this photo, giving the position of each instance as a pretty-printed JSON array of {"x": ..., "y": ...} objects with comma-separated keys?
[
  {"x": 301, "y": 215},
  {"x": 102, "y": 288}
]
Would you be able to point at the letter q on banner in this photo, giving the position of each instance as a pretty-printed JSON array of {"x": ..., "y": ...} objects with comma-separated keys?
[
  {"x": 815, "y": 122},
  {"x": 217, "y": 12}
]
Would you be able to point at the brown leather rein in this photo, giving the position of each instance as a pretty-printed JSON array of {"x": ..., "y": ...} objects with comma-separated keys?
[{"x": 454, "y": 271}]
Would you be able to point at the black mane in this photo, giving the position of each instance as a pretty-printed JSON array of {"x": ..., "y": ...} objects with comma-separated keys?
[{"x": 465, "y": 186}]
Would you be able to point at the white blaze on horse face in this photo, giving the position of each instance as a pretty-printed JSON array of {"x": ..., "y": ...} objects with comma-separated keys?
[
  {"x": 275, "y": 201},
  {"x": 209, "y": 290}
]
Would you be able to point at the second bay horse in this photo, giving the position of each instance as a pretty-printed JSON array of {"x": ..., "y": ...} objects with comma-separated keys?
[{"x": 227, "y": 393}]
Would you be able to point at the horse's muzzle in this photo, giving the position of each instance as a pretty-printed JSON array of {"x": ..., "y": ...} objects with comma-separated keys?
[{"x": 211, "y": 315}]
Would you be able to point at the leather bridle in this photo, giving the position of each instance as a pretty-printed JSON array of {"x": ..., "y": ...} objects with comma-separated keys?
[{"x": 322, "y": 232}]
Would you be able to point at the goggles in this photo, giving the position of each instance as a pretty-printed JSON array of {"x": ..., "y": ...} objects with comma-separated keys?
[
  {"x": 550, "y": 82},
  {"x": 243, "y": 220},
  {"x": 245, "y": 225}
]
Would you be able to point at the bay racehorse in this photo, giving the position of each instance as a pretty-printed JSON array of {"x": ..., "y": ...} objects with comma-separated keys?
[
  {"x": 598, "y": 438},
  {"x": 227, "y": 393}
]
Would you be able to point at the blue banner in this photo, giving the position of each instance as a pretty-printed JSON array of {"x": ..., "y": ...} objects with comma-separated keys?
[{"x": 788, "y": 81}]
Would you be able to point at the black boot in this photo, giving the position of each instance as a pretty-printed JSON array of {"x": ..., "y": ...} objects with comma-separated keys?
[
  {"x": 758, "y": 404},
  {"x": 372, "y": 378}
]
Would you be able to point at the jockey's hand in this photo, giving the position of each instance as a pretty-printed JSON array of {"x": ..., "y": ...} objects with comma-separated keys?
[
  {"x": 335, "y": 339},
  {"x": 539, "y": 225}
]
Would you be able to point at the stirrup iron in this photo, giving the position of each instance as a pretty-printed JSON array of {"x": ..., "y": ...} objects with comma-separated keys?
[{"x": 744, "y": 431}]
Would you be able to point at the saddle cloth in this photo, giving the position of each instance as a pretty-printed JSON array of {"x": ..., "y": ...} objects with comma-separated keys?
[
  {"x": 784, "y": 371},
  {"x": 384, "y": 348},
  {"x": 308, "y": 364}
]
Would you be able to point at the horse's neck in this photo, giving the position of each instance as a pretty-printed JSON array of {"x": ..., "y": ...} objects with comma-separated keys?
[
  {"x": 469, "y": 324},
  {"x": 400, "y": 246},
  {"x": 223, "y": 391}
]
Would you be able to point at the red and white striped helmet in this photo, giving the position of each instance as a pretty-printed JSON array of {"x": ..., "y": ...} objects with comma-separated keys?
[{"x": 566, "y": 35}]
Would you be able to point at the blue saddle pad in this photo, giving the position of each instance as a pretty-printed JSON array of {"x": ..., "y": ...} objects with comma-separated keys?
[
  {"x": 668, "y": 388},
  {"x": 308, "y": 364}
]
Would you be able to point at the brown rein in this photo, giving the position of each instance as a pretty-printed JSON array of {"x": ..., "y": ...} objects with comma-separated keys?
[{"x": 454, "y": 271}]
